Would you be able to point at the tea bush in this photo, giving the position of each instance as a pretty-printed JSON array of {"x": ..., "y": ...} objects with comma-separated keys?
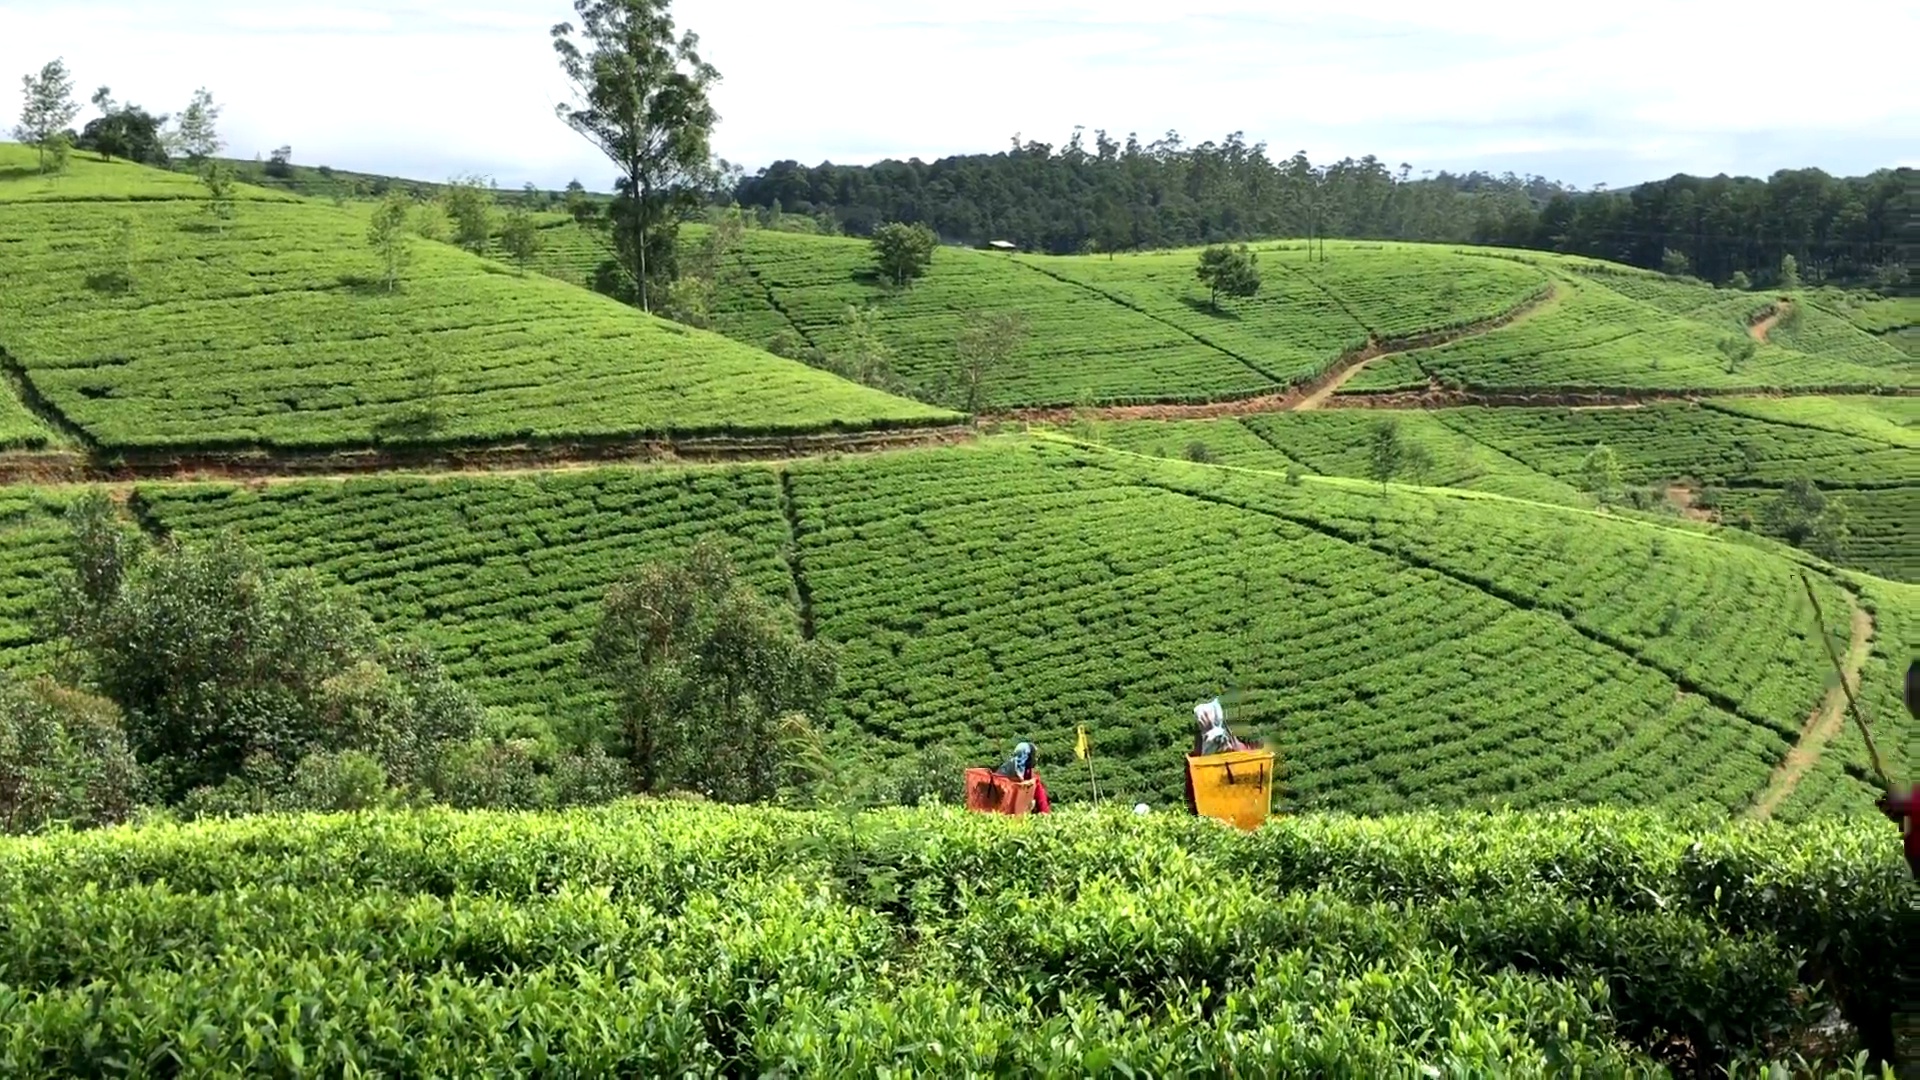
[{"x": 660, "y": 937}]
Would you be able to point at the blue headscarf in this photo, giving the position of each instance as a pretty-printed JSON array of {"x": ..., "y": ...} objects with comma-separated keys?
[{"x": 1020, "y": 763}]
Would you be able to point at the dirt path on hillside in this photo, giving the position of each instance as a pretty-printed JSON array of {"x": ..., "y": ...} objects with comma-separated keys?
[
  {"x": 1820, "y": 727},
  {"x": 1311, "y": 394},
  {"x": 1589, "y": 398},
  {"x": 1765, "y": 324},
  {"x": 68, "y": 467}
]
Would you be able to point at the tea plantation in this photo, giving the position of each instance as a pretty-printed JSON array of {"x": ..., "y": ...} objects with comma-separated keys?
[
  {"x": 1409, "y": 646},
  {"x": 1726, "y": 455},
  {"x": 145, "y": 322},
  {"x": 1138, "y": 328},
  {"x": 1527, "y": 713},
  {"x": 662, "y": 939}
]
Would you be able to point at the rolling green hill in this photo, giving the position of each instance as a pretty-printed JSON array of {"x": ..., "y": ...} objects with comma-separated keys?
[
  {"x": 1138, "y": 328},
  {"x": 1728, "y": 455},
  {"x": 1406, "y": 646},
  {"x": 146, "y": 323}
]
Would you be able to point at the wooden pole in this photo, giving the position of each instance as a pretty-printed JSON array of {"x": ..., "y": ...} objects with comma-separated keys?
[{"x": 1839, "y": 669}]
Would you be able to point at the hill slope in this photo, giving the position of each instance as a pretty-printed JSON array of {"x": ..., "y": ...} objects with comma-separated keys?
[
  {"x": 146, "y": 323},
  {"x": 1139, "y": 328},
  {"x": 1398, "y": 647},
  {"x": 1725, "y": 457}
]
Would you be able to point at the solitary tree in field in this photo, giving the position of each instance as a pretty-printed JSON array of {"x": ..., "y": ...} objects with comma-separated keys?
[
  {"x": 1675, "y": 263},
  {"x": 1738, "y": 350},
  {"x": 218, "y": 178},
  {"x": 1600, "y": 474},
  {"x": 1740, "y": 281},
  {"x": 46, "y": 108},
  {"x": 1228, "y": 270},
  {"x": 903, "y": 252},
  {"x": 195, "y": 135},
  {"x": 640, "y": 96},
  {"x": 703, "y": 671},
  {"x": 387, "y": 235},
  {"x": 280, "y": 163},
  {"x": 1386, "y": 451},
  {"x": 984, "y": 348},
  {"x": 1789, "y": 272},
  {"x": 1807, "y": 518},
  {"x": 519, "y": 237},
  {"x": 468, "y": 203}
]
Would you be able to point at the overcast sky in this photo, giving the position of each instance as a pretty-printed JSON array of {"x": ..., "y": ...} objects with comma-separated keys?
[{"x": 1617, "y": 92}]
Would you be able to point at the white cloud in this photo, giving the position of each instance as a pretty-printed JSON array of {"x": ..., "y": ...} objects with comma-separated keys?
[{"x": 1619, "y": 92}]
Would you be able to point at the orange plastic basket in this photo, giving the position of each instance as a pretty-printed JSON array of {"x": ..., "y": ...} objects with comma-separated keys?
[
  {"x": 1236, "y": 786},
  {"x": 990, "y": 793}
]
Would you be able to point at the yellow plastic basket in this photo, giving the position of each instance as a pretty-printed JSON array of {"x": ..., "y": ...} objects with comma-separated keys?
[{"x": 1236, "y": 786}]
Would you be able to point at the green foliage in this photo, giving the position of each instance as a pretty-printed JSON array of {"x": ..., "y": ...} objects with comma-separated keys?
[
  {"x": 218, "y": 178},
  {"x": 984, "y": 349},
  {"x": 196, "y": 135},
  {"x": 703, "y": 671},
  {"x": 1737, "y": 350},
  {"x": 1807, "y": 518},
  {"x": 124, "y": 130},
  {"x": 1600, "y": 474},
  {"x": 217, "y": 660},
  {"x": 863, "y": 355},
  {"x": 1739, "y": 280},
  {"x": 640, "y": 97},
  {"x": 1675, "y": 263},
  {"x": 657, "y": 938},
  {"x": 55, "y": 152},
  {"x": 1230, "y": 270},
  {"x": 46, "y": 108},
  {"x": 63, "y": 759},
  {"x": 520, "y": 237},
  {"x": 1385, "y": 451},
  {"x": 1789, "y": 272},
  {"x": 387, "y": 236},
  {"x": 902, "y": 252},
  {"x": 468, "y": 203}
]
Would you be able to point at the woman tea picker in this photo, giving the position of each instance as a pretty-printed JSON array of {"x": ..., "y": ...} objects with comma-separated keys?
[{"x": 1020, "y": 767}]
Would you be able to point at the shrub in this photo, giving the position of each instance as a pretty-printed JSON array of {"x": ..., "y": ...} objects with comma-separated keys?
[
  {"x": 217, "y": 659},
  {"x": 63, "y": 758}
]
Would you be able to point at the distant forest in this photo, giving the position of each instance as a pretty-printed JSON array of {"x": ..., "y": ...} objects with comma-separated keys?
[{"x": 1126, "y": 196}]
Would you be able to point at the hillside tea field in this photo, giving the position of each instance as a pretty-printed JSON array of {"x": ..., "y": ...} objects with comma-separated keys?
[
  {"x": 1138, "y": 328},
  {"x": 32, "y": 550},
  {"x": 663, "y": 938},
  {"x": 503, "y": 577},
  {"x": 1413, "y": 646},
  {"x": 1592, "y": 337},
  {"x": 274, "y": 330},
  {"x": 1862, "y": 450}
]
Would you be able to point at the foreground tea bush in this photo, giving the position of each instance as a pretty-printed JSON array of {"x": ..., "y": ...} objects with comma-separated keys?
[{"x": 666, "y": 937}]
